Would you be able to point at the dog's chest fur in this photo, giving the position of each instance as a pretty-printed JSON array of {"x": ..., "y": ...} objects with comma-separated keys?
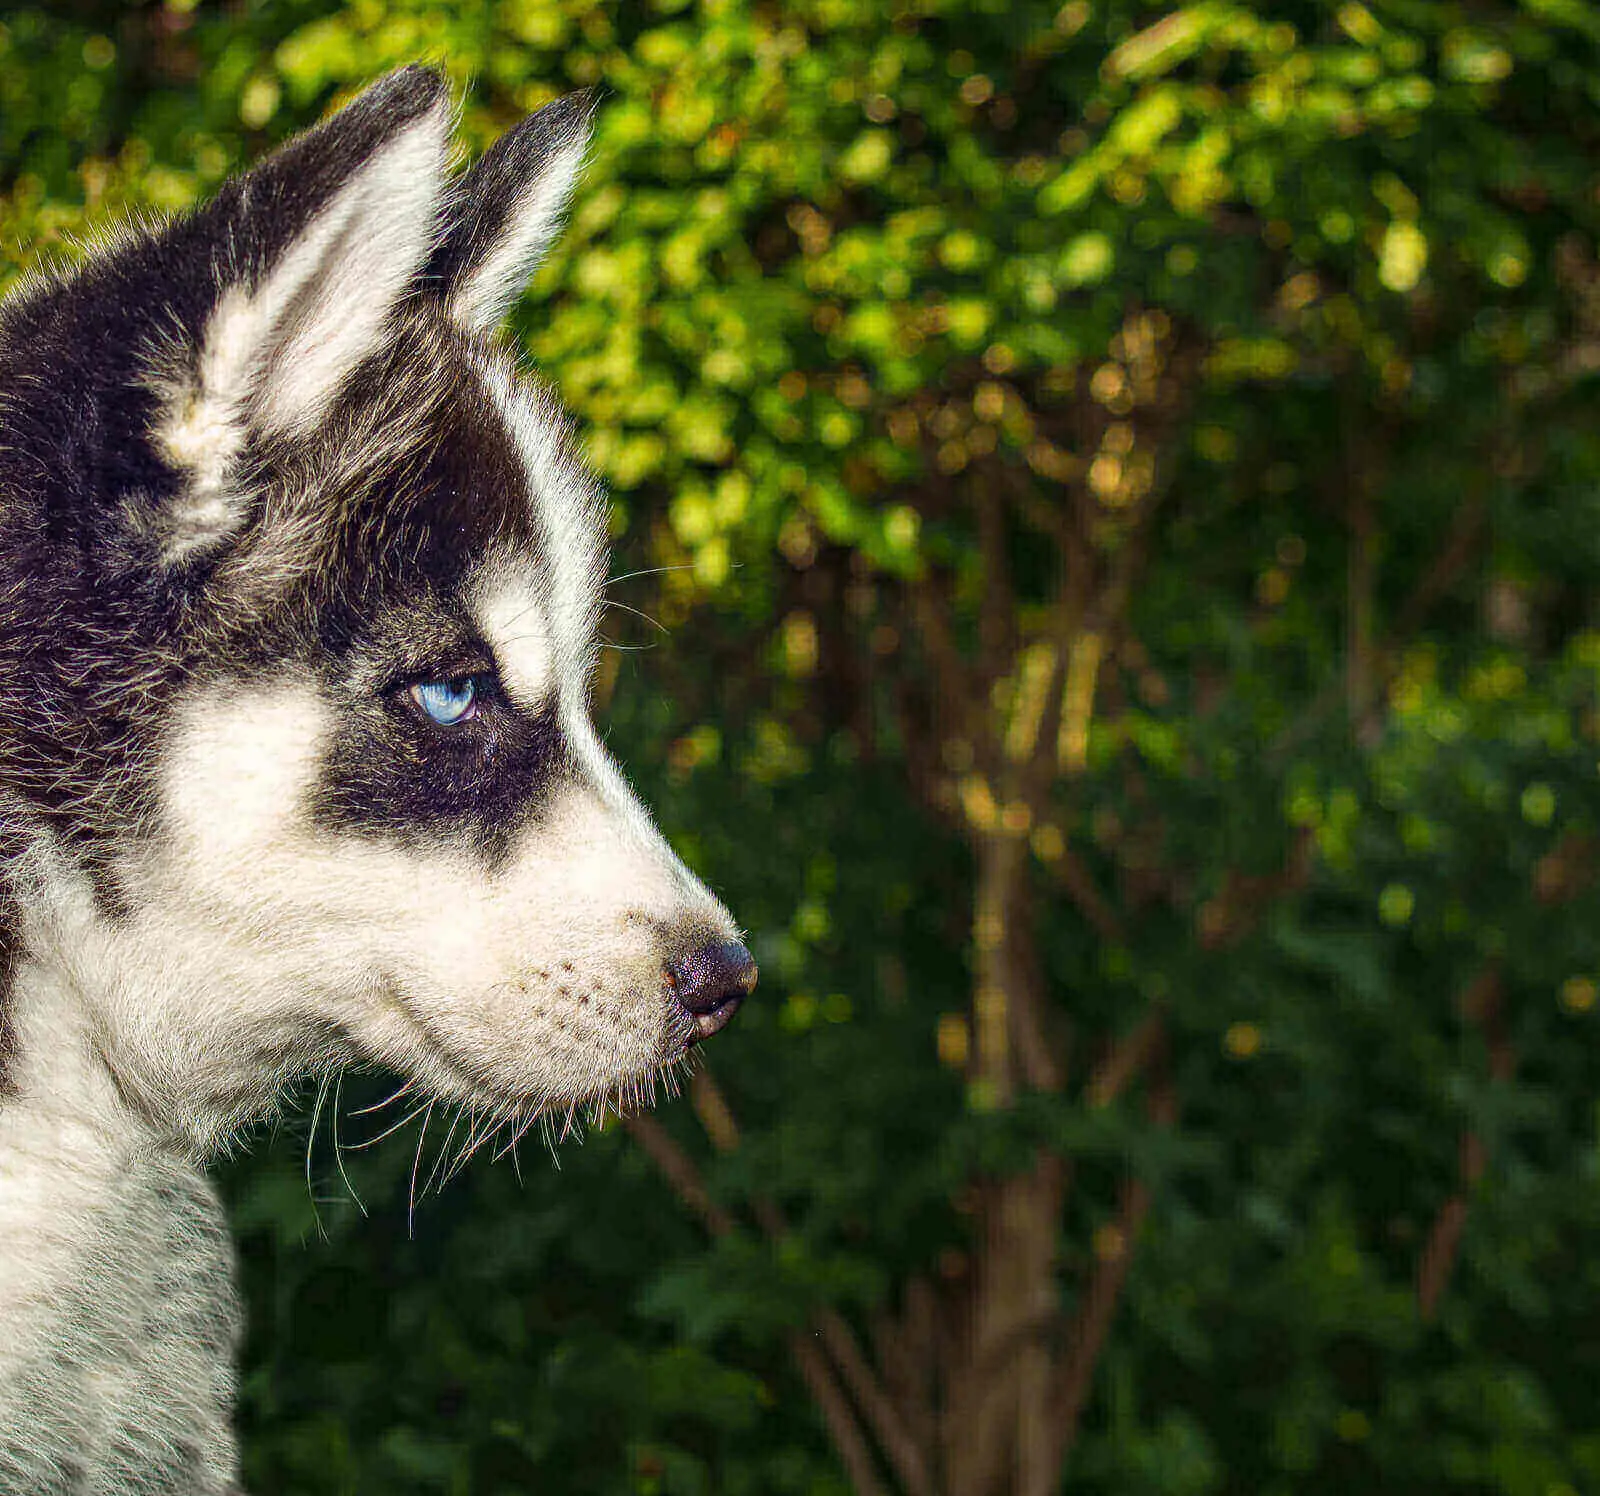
[
  {"x": 116, "y": 1285},
  {"x": 120, "y": 1380}
]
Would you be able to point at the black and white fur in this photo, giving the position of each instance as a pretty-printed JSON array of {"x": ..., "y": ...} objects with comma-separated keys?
[{"x": 262, "y": 472}]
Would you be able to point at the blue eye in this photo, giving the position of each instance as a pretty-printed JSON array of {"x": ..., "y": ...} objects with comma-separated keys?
[{"x": 447, "y": 702}]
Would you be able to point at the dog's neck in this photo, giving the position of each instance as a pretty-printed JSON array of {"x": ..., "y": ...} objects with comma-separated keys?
[
  {"x": 67, "y": 1138},
  {"x": 120, "y": 1032},
  {"x": 113, "y": 1250},
  {"x": 65, "y": 1098},
  {"x": 67, "y": 1134}
]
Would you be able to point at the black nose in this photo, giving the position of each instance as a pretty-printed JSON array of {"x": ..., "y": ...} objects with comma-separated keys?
[{"x": 712, "y": 983}]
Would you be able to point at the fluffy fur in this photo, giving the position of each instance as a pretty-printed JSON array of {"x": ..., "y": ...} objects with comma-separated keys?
[{"x": 264, "y": 474}]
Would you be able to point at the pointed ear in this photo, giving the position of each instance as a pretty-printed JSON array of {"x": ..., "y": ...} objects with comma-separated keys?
[
  {"x": 508, "y": 210},
  {"x": 327, "y": 235}
]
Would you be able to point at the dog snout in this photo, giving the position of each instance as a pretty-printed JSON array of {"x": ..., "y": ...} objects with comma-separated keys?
[{"x": 712, "y": 982}]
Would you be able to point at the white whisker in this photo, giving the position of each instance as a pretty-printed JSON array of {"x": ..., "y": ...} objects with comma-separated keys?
[
  {"x": 338, "y": 1153},
  {"x": 656, "y": 624},
  {"x": 389, "y": 1100},
  {"x": 311, "y": 1143},
  {"x": 416, "y": 1163},
  {"x": 392, "y": 1128},
  {"x": 650, "y": 571},
  {"x": 455, "y": 1121}
]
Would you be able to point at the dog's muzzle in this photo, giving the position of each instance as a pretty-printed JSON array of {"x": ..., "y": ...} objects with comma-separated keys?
[{"x": 712, "y": 983}]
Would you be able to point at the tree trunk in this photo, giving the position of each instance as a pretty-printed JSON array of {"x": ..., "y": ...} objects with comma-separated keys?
[{"x": 996, "y": 1426}]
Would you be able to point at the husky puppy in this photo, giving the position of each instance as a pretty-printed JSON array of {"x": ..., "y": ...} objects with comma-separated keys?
[{"x": 298, "y": 593}]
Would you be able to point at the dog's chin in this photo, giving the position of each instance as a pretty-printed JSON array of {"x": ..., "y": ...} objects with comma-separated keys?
[{"x": 505, "y": 1076}]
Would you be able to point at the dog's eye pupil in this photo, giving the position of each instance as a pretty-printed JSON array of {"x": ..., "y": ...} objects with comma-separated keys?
[{"x": 447, "y": 702}]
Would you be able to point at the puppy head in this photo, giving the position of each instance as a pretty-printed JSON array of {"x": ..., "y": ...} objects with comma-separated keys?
[{"x": 354, "y": 805}]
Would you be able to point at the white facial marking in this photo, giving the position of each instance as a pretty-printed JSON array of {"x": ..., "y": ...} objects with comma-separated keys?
[
  {"x": 515, "y": 628},
  {"x": 568, "y": 505},
  {"x": 262, "y": 942},
  {"x": 571, "y": 514},
  {"x": 241, "y": 765}
]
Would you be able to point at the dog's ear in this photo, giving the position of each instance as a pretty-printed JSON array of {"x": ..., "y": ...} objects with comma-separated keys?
[
  {"x": 508, "y": 211},
  {"x": 325, "y": 237}
]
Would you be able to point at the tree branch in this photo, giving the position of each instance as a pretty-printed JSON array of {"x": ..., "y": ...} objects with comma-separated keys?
[
  {"x": 997, "y": 609},
  {"x": 1466, "y": 529},
  {"x": 1098, "y": 1309},
  {"x": 1075, "y": 878},
  {"x": 950, "y": 670},
  {"x": 828, "y": 1325},
  {"x": 1481, "y": 1004},
  {"x": 680, "y": 1172},
  {"x": 895, "y": 1438},
  {"x": 1130, "y": 1054},
  {"x": 836, "y": 1413},
  {"x": 1437, "y": 1260},
  {"x": 1453, "y": 557},
  {"x": 686, "y": 1180},
  {"x": 1361, "y": 684},
  {"x": 1099, "y": 1306}
]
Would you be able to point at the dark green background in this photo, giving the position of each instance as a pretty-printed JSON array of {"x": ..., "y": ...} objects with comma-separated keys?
[{"x": 1128, "y": 484}]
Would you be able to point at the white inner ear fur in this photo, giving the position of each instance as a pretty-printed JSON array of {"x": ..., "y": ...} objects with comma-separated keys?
[
  {"x": 483, "y": 297},
  {"x": 514, "y": 624},
  {"x": 276, "y": 353},
  {"x": 347, "y": 271}
]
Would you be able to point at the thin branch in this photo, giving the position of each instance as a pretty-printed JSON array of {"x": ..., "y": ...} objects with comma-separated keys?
[
  {"x": 1090, "y": 623},
  {"x": 1466, "y": 530},
  {"x": 1481, "y": 1004},
  {"x": 842, "y": 1426},
  {"x": 830, "y": 1327},
  {"x": 1110, "y": 1276},
  {"x": 1126, "y": 1058},
  {"x": 950, "y": 669},
  {"x": 1069, "y": 870},
  {"x": 680, "y": 1172},
  {"x": 997, "y": 609},
  {"x": 685, "y": 1179},
  {"x": 907, "y": 1348},
  {"x": 712, "y": 1108},
  {"x": 1566, "y": 870},
  {"x": 1361, "y": 569},
  {"x": 1237, "y": 909},
  {"x": 1050, "y": 520},
  {"x": 898, "y": 1443},
  {"x": 1454, "y": 555},
  {"x": 1437, "y": 1260},
  {"x": 1099, "y": 1308}
]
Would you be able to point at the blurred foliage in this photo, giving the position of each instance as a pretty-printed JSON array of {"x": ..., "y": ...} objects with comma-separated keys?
[{"x": 1129, "y": 494}]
